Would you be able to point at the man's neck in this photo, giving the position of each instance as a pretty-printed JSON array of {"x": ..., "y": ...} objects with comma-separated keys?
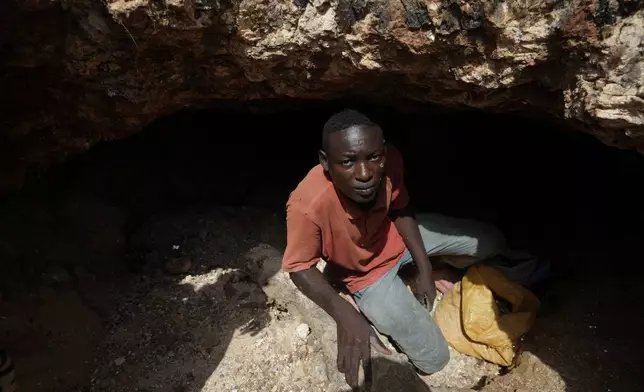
[{"x": 354, "y": 205}]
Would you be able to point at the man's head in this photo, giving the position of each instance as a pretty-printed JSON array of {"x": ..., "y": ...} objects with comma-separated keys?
[{"x": 353, "y": 154}]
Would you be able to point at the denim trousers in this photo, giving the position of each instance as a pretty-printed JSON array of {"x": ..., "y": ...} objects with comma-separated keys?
[{"x": 394, "y": 311}]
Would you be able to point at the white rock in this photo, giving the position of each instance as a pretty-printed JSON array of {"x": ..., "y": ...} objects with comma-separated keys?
[{"x": 303, "y": 331}]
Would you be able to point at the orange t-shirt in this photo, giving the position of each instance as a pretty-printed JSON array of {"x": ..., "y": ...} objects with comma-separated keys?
[{"x": 320, "y": 223}]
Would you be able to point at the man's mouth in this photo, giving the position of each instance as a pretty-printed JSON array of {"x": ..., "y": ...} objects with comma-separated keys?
[{"x": 365, "y": 191}]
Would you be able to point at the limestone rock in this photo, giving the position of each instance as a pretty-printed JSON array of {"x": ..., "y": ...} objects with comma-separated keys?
[
  {"x": 81, "y": 71},
  {"x": 302, "y": 331}
]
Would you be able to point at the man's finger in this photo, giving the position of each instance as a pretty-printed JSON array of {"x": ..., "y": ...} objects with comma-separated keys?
[
  {"x": 421, "y": 298},
  {"x": 378, "y": 344},
  {"x": 443, "y": 287},
  {"x": 342, "y": 353},
  {"x": 352, "y": 375},
  {"x": 425, "y": 300},
  {"x": 366, "y": 365}
]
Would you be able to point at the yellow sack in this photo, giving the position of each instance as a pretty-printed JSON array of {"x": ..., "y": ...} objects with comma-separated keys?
[{"x": 470, "y": 320}]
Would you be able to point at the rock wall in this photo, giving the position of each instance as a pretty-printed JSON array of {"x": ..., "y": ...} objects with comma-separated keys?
[{"x": 76, "y": 72}]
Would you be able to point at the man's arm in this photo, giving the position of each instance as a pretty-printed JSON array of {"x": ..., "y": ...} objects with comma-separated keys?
[
  {"x": 303, "y": 250},
  {"x": 405, "y": 221},
  {"x": 355, "y": 335},
  {"x": 407, "y": 226},
  {"x": 314, "y": 285}
]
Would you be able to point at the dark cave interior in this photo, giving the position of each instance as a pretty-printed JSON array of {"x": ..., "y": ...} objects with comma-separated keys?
[
  {"x": 556, "y": 192},
  {"x": 552, "y": 190}
]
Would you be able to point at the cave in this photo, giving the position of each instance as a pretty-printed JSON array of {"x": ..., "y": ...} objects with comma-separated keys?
[
  {"x": 126, "y": 267},
  {"x": 146, "y": 153}
]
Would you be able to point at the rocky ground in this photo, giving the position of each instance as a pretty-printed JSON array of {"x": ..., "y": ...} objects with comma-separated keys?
[{"x": 206, "y": 309}]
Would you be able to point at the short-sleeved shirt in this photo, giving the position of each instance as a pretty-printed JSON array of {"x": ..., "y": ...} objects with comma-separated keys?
[{"x": 321, "y": 222}]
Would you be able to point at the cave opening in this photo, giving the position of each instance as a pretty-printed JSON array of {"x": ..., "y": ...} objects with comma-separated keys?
[
  {"x": 228, "y": 170},
  {"x": 549, "y": 188}
]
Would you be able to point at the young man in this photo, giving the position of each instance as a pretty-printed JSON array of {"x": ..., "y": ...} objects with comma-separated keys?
[{"x": 352, "y": 210}]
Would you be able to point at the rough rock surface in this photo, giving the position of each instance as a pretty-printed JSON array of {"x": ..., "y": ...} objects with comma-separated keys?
[{"x": 76, "y": 72}]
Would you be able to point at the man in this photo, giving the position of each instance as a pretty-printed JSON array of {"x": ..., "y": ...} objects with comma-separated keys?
[{"x": 352, "y": 210}]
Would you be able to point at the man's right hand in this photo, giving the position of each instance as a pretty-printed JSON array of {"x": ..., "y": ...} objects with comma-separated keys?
[
  {"x": 355, "y": 338},
  {"x": 355, "y": 335}
]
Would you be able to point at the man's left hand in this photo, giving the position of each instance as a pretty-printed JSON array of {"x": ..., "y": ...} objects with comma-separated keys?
[{"x": 425, "y": 290}]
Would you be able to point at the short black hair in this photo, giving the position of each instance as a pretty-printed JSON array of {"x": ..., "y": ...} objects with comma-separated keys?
[{"x": 342, "y": 120}]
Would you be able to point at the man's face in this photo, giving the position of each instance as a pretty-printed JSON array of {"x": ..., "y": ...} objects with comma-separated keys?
[{"x": 355, "y": 160}]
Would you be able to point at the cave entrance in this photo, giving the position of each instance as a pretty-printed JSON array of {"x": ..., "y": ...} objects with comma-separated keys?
[
  {"x": 126, "y": 212},
  {"x": 551, "y": 189}
]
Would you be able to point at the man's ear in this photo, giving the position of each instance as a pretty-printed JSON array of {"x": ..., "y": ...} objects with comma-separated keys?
[{"x": 324, "y": 161}]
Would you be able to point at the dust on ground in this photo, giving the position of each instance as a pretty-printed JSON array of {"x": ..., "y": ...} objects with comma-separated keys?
[{"x": 189, "y": 307}]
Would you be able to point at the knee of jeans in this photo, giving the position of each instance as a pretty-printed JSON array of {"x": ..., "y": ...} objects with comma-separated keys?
[
  {"x": 384, "y": 322},
  {"x": 436, "y": 362}
]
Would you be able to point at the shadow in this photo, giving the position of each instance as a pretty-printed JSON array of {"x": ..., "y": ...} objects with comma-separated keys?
[
  {"x": 588, "y": 326},
  {"x": 73, "y": 326},
  {"x": 175, "y": 336},
  {"x": 391, "y": 376},
  {"x": 127, "y": 268}
]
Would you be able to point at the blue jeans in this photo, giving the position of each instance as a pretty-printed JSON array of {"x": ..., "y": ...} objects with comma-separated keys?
[{"x": 393, "y": 309}]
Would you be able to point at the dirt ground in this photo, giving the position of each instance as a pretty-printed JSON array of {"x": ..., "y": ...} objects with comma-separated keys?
[
  {"x": 587, "y": 339},
  {"x": 185, "y": 309}
]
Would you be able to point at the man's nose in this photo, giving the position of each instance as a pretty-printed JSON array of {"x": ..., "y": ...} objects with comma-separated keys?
[{"x": 363, "y": 174}]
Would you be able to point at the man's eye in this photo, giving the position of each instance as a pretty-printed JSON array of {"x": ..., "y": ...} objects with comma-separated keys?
[
  {"x": 346, "y": 162},
  {"x": 375, "y": 158}
]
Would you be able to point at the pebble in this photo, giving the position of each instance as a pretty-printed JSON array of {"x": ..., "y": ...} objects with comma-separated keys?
[
  {"x": 119, "y": 361},
  {"x": 303, "y": 330}
]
